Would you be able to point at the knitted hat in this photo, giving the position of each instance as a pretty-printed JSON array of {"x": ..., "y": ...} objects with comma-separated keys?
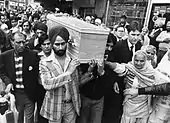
[
  {"x": 41, "y": 26},
  {"x": 58, "y": 30}
]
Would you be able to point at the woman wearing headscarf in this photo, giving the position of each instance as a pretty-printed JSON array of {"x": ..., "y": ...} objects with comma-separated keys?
[
  {"x": 161, "y": 86},
  {"x": 137, "y": 74}
]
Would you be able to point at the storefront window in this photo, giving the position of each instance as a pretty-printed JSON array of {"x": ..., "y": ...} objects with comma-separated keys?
[
  {"x": 159, "y": 11},
  {"x": 133, "y": 9}
]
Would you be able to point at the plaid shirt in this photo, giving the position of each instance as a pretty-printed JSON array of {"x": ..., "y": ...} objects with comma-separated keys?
[{"x": 54, "y": 84}]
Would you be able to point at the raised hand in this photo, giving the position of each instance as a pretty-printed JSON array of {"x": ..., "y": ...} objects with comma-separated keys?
[
  {"x": 100, "y": 67},
  {"x": 73, "y": 64},
  {"x": 92, "y": 64}
]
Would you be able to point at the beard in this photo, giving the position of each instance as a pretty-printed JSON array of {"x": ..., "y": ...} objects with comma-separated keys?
[{"x": 60, "y": 52}]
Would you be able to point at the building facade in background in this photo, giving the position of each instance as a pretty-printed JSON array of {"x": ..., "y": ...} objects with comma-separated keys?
[
  {"x": 133, "y": 9},
  {"x": 110, "y": 14}
]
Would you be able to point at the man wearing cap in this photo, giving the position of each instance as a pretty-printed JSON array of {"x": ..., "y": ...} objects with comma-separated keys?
[{"x": 60, "y": 77}]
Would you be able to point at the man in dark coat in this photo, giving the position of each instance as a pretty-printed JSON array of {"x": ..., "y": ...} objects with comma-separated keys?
[{"x": 21, "y": 66}]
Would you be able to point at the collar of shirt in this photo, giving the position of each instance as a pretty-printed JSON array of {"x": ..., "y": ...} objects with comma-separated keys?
[
  {"x": 19, "y": 54},
  {"x": 118, "y": 39},
  {"x": 52, "y": 58},
  {"x": 42, "y": 55}
]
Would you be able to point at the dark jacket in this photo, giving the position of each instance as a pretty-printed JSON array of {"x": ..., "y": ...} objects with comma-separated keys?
[
  {"x": 162, "y": 89},
  {"x": 153, "y": 39},
  {"x": 95, "y": 88},
  {"x": 112, "y": 38},
  {"x": 30, "y": 71},
  {"x": 121, "y": 52}
]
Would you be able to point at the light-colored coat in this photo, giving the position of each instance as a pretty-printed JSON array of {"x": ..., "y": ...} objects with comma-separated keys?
[{"x": 54, "y": 84}]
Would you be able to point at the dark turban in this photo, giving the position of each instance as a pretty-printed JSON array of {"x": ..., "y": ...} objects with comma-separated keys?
[
  {"x": 41, "y": 26},
  {"x": 58, "y": 31}
]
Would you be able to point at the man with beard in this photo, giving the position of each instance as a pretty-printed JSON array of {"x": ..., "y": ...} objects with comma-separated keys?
[
  {"x": 20, "y": 65},
  {"x": 60, "y": 77},
  {"x": 164, "y": 42}
]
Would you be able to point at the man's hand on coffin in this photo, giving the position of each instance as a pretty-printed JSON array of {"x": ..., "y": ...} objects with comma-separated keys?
[
  {"x": 9, "y": 87},
  {"x": 92, "y": 65},
  {"x": 73, "y": 65},
  {"x": 100, "y": 67}
]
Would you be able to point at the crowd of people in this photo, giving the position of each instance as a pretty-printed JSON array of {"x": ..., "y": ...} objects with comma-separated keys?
[{"x": 130, "y": 85}]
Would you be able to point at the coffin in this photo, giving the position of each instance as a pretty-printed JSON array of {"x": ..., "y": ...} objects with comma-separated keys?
[{"x": 87, "y": 41}]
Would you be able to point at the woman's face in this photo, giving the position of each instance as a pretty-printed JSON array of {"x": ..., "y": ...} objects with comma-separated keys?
[
  {"x": 139, "y": 61},
  {"x": 150, "y": 54}
]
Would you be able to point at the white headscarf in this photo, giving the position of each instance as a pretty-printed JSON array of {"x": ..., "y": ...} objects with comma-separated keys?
[{"x": 146, "y": 74}]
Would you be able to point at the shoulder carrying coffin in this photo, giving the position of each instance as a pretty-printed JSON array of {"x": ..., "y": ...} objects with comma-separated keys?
[{"x": 86, "y": 40}]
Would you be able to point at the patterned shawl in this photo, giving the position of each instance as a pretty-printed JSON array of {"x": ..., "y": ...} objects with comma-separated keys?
[{"x": 146, "y": 75}]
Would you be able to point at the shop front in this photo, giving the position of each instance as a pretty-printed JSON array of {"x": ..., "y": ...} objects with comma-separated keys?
[
  {"x": 133, "y": 9},
  {"x": 157, "y": 9}
]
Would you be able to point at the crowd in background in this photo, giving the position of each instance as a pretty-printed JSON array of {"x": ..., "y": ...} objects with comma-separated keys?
[{"x": 135, "y": 57}]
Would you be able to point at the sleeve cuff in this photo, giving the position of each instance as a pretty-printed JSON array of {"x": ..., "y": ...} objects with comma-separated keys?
[
  {"x": 67, "y": 76},
  {"x": 141, "y": 91}
]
